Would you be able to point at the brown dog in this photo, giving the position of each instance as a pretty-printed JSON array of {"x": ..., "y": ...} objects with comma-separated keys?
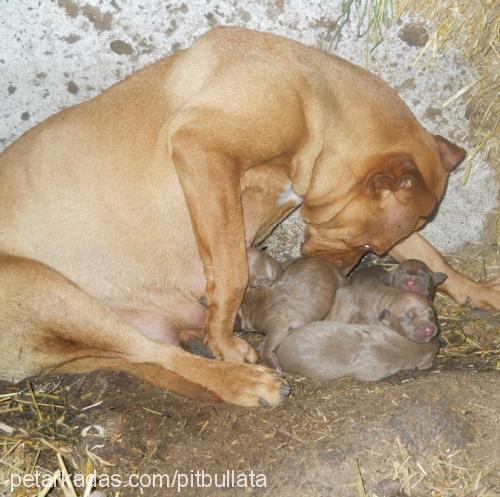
[
  {"x": 304, "y": 292},
  {"x": 329, "y": 350},
  {"x": 411, "y": 275},
  {"x": 121, "y": 212}
]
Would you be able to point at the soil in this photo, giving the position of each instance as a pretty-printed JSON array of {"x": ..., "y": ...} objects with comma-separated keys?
[{"x": 325, "y": 440}]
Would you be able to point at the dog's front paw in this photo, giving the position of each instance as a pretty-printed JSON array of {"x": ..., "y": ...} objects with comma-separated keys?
[
  {"x": 478, "y": 294},
  {"x": 235, "y": 349},
  {"x": 483, "y": 294},
  {"x": 253, "y": 386}
]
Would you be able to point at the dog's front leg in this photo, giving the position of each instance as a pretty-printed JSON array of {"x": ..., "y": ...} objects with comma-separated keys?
[
  {"x": 210, "y": 180},
  {"x": 457, "y": 286}
]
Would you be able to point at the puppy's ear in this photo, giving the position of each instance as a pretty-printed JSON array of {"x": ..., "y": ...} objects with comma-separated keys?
[
  {"x": 398, "y": 174},
  {"x": 384, "y": 315},
  {"x": 439, "y": 278},
  {"x": 237, "y": 323},
  {"x": 387, "y": 278},
  {"x": 261, "y": 282},
  {"x": 450, "y": 154}
]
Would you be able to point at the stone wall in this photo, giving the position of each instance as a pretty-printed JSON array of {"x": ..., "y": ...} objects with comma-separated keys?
[{"x": 57, "y": 53}]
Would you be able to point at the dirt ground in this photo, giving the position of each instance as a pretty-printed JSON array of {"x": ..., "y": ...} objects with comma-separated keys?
[
  {"x": 433, "y": 433},
  {"x": 337, "y": 439}
]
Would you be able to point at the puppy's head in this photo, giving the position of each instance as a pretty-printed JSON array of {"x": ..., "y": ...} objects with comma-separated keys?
[
  {"x": 411, "y": 316},
  {"x": 414, "y": 276},
  {"x": 374, "y": 203},
  {"x": 262, "y": 268}
]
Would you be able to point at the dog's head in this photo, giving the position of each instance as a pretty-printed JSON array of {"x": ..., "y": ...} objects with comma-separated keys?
[{"x": 374, "y": 203}]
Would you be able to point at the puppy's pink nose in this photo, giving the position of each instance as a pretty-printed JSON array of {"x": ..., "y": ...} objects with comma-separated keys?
[
  {"x": 429, "y": 330},
  {"x": 411, "y": 283}
]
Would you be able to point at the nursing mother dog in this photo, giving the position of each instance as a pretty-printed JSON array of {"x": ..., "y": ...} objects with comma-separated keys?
[{"x": 118, "y": 214}]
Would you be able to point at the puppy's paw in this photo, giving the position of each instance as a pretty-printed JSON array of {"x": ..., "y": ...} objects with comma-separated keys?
[
  {"x": 252, "y": 386},
  {"x": 235, "y": 349},
  {"x": 274, "y": 363},
  {"x": 270, "y": 358},
  {"x": 197, "y": 347}
]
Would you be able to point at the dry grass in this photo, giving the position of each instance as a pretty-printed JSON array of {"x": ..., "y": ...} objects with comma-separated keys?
[
  {"x": 42, "y": 435},
  {"x": 473, "y": 27},
  {"x": 371, "y": 17},
  {"x": 447, "y": 475}
]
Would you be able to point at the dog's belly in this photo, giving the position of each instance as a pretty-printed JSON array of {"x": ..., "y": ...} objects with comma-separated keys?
[
  {"x": 164, "y": 326},
  {"x": 128, "y": 244},
  {"x": 114, "y": 219}
]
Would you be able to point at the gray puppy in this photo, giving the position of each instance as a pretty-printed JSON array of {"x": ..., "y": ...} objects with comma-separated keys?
[
  {"x": 409, "y": 314},
  {"x": 411, "y": 275},
  {"x": 304, "y": 292},
  {"x": 262, "y": 268},
  {"x": 328, "y": 350}
]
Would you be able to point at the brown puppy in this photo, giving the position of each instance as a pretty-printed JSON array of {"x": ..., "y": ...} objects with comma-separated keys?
[
  {"x": 302, "y": 293},
  {"x": 411, "y": 275},
  {"x": 329, "y": 350},
  {"x": 409, "y": 314},
  {"x": 262, "y": 268},
  {"x": 132, "y": 205}
]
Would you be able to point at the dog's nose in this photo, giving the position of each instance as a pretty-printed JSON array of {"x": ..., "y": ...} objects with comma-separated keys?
[{"x": 429, "y": 330}]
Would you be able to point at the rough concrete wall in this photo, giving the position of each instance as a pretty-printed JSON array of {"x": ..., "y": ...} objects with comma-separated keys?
[{"x": 57, "y": 53}]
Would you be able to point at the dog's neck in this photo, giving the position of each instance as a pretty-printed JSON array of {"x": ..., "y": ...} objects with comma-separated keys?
[{"x": 267, "y": 198}]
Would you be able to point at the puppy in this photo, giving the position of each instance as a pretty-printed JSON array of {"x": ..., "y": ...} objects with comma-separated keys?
[
  {"x": 304, "y": 292},
  {"x": 329, "y": 350},
  {"x": 372, "y": 302},
  {"x": 262, "y": 268},
  {"x": 411, "y": 275}
]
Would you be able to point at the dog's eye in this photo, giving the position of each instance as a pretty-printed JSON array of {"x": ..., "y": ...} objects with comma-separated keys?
[{"x": 408, "y": 317}]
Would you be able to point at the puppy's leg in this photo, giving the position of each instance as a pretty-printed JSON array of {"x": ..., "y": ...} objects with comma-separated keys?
[
  {"x": 211, "y": 184},
  {"x": 457, "y": 286},
  {"x": 276, "y": 331},
  {"x": 48, "y": 324},
  {"x": 195, "y": 342}
]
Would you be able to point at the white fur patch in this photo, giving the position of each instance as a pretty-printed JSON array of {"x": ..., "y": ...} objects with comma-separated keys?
[{"x": 288, "y": 195}]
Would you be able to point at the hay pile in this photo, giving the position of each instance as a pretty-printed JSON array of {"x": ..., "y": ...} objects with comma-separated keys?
[
  {"x": 473, "y": 27},
  {"x": 43, "y": 435}
]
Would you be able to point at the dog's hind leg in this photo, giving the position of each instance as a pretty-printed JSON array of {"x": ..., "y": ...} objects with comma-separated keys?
[
  {"x": 152, "y": 373},
  {"x": 49, "y": 324}
]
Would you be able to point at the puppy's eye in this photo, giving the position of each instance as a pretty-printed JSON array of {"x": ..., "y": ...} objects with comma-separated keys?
[{"x": 408, "y": 317}]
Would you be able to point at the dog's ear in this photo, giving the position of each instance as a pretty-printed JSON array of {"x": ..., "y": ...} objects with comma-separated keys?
[
  {"x": 450, "y": 154},
  {"x": 387, "y": 278},
  {"x": 439, "y": 278},
  {"x": 384, "y": 315},
  {"x": 398, "y": 174}
]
